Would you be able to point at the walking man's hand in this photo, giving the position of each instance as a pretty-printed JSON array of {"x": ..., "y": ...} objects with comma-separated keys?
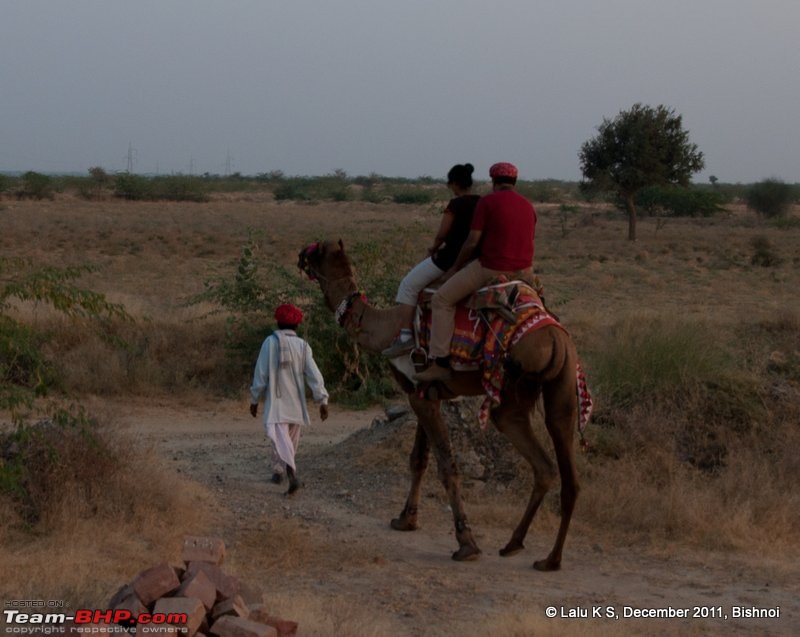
[
  {"x": 254, "y": 410},
  {"x": 323, "y": 412}
]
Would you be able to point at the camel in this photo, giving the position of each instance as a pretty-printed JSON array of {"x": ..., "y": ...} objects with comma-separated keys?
[{"x": 542, "y": 363}]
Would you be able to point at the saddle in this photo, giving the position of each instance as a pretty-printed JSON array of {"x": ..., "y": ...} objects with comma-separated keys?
[
  {"x": 484, "y": 322},
  {"x": 487, "y": 325}
]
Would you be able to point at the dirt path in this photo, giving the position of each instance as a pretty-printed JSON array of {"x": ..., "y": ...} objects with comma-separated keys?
[{"x": 327, "y": 557}]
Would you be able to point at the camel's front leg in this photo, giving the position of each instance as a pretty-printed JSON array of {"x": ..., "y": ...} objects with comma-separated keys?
[
  {"x": 430, "y": 418},
  {"x": 418, "y": 462}
]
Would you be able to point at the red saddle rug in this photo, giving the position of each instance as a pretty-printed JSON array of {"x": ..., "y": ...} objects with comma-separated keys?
[{"x": 490, "y": 323}]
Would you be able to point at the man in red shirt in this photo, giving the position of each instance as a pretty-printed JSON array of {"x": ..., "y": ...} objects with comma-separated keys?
[{"x": 502, "y": 231}]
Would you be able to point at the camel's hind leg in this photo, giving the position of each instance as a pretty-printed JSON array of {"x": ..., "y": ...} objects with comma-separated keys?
[
  {"x": 514, "y": 420},
  {"x": 418, "y": 462},
  {"x": 561, "y": 415}
]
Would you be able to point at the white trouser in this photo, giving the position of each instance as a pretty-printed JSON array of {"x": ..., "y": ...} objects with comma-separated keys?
[
  {"x": 422, "y": 274},
  {"x": 285, "y": 437}
]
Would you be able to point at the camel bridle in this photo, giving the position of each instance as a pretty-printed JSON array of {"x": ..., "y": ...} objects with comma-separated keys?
[{"x": 344, "y": 307}]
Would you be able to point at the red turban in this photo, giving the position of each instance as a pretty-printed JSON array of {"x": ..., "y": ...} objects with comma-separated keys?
[
  {"x": 503, "y": 169},
  {"x": 288, "y": 314}
]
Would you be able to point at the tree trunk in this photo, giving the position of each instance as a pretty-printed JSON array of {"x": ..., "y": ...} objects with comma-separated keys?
[{"x": 629, "y": 204}]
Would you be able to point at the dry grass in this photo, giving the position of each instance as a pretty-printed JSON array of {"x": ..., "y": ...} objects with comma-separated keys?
[
  {"x": 103, "y": 511},
  {"x": 637, "y": 482}
]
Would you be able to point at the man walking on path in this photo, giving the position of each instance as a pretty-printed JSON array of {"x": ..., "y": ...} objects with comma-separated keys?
[{"x": 284, "y": 365}]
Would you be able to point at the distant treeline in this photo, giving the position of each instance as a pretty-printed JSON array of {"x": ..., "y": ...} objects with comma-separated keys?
[{"x": 696, "y": 200}]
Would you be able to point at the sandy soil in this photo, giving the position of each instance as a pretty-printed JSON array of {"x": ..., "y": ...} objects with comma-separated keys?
[{"x": 327, "y": 553}]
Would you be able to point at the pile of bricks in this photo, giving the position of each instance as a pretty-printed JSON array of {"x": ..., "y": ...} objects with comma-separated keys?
[{"x": 211, "y": 601}]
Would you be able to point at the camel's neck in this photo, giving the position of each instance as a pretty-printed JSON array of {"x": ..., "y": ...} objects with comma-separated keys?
[{"x": 370, "y": 327}]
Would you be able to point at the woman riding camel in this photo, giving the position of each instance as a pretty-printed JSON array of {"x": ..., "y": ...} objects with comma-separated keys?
[
  {"x": 503, "y": 225},
  {"x": 453, "y": 231}
]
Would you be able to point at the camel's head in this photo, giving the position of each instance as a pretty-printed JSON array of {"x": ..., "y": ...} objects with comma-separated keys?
[{"x": 325, "y": 261}]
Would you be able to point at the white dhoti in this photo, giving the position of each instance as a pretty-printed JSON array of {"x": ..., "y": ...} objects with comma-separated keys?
[{"x": 285, "y": 437}]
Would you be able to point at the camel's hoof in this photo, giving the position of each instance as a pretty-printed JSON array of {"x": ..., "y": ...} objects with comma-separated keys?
[
  {"x": 512, "y": 548},
  {"x": 467, "y": 554},
  {"x": 546, "y": 565},
  {"x": 399, "y": 524}
]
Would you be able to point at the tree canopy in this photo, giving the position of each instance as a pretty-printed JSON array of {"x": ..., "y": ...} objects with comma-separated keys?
[{"x": 641, "y": 147}]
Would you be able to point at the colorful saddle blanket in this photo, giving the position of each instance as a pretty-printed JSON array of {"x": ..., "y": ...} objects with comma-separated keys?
[{"x": 486, "y": 327}]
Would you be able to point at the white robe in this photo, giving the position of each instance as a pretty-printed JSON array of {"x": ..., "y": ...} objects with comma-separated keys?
[{"x": 284, "y": 362}]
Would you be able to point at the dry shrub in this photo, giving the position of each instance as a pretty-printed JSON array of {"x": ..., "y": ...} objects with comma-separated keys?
[
  {"x": 91, "y": 508},
  {"x": 152, "y": 358},
  {"x": 690, "y": 441},
  {"x": 664, "y": 476}
]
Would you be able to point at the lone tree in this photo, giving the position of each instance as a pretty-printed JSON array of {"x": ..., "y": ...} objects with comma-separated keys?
[{"x": 644, "y": 146}]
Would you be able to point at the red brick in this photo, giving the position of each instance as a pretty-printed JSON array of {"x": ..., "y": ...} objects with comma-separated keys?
[
  {"x": 284, "y": 627},
  {"x": 124, "y": 591},
  {"x": 227, "y": 586},
  {"x": 191, "y": 606},
  {"x": 258, "y": 613},
  {"x": 250, "y": 594},
  {"x": 203, "y": 549},
  {"x": 155, "y": 582},
  {"x": 232, "y": 606},
  {"x": 228, "y": 626},
  {"x": 131, "y": 603},
  {"x": 200, "y": 586}
]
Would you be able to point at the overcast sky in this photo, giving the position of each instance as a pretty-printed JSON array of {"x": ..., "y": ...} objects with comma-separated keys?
[{"x": 400, "y": 88}]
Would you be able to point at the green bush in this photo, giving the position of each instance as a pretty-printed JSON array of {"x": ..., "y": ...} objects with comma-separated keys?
[
  {"x": 25, "y": 372},
  {"x": 770, "y": 198},
  {"x": 65, "y": 448},
  {"x": 682, "y": 372},
  {"x": 679, "y": 202},
  {"x": 168, "y": 188},
  {"x": 415, "y": 196},
  {"x": 646, "y": 361},
  {"x": 294, "y": 189},
  {"x": 547, "y": 190},
  {"x": 258, "y": 285},
  {"x": 764, "y": 254},
  {"x": 373, "y": 195},
  {"x": 179, "y": 188},
  {"x": 132, "y": 187},
  {"x": 60, "y": 448},
  {"x": 36, "y": 186},
  {"x": 335, "y": 187},
  {"x": 646, "y": 358}
]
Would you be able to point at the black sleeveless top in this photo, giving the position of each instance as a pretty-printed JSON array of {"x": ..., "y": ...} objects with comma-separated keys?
[{"x": 462, "y": 209}]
